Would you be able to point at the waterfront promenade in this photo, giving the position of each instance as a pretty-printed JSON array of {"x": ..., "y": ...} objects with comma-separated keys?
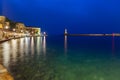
[{"x": 7, "y": 39}]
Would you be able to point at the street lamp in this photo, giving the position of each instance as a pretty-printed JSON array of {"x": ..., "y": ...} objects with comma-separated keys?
[
  {"x": 21, "y": 30},
  {"x": 13, "y": 29},
  {"x": 6, "y": 27}
]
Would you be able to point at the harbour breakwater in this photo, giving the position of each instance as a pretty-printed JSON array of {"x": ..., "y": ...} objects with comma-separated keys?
[
  {"x": 89, "y": 34},
  {"x": 114, "y": 34}
]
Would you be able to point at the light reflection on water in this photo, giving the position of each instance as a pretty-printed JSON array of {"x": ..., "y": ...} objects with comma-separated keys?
[
  {"x": 44, "y": 45},
  {"x": 38, "y": 45},
  {"x": 113, "y": 45},
  {"x": 14, "y": 47},
  {"x": 18, "y": 48},
  {"x": 21, "y": 48},
  {"x": 32, "y": 46},
  {"x": 30, "y": 58},
  {"x": 65, "y": 44},
  {"x": 6, "y": 54},
  {"x": 27, "y": 41}
]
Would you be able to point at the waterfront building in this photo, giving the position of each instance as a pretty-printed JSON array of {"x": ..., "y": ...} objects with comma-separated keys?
[
  {"x": 10, "y": 28},
  {"x": 33, "y": 31},
  {"x": 2, "y": 24},
  {"x": 5, "y": 26},
  {"x": 2, "y": 21},
  {"x": 20, "y": 27}
]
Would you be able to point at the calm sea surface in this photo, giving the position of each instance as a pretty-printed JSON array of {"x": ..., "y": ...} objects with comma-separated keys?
[{"x": 62, "y": 58}]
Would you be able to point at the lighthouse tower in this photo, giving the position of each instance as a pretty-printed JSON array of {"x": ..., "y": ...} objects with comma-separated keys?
[{"x": 65, "y": 32}]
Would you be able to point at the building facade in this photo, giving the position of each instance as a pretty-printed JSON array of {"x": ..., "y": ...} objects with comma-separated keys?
[
  {"x": 2, "y": 21},
  {"x": 33, "y": 31},
  {"x": 20, "y": 28}
]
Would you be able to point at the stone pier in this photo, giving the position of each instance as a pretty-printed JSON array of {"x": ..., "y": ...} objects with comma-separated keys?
[{"x": 4, "y": 74}]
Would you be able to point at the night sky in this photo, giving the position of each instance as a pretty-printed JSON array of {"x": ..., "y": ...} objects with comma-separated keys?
[{"x": 78, "y": 16}]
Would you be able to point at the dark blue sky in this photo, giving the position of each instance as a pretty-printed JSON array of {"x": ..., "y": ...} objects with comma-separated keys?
[{"x": 78, "y": 16}]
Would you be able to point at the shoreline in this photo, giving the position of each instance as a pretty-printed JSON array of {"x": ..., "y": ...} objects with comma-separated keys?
[
  {"x": 4, "y": 74},
  {"x": 4, "y": 40}
]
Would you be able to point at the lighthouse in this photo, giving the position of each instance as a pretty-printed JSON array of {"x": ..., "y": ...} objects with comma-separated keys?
[{"x": 65, "y": 32}]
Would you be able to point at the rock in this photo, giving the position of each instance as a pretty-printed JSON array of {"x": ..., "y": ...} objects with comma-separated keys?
[
  {"x": 2, "y": 69},
  {"x": 4, "y": 74}
]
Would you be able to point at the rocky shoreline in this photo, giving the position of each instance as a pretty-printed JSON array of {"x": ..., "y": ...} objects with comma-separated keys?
[{"x": 4, "y": 74}]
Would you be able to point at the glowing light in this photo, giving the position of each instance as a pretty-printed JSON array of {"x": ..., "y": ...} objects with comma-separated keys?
[
  {"x": 65, "y": 31},
  {"x": 13, "y": 29},
  {"x": 21, "y": 30},
  {"x": 44, "y": 33},
  {"x": 6, "y": 27}
]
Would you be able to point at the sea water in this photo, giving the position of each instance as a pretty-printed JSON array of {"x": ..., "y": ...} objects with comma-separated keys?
[{"x": 62, "y": 58}]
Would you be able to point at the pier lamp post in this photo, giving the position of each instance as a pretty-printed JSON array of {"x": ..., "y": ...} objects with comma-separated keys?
[
  {"x": 14, "y": 30},
  {"x": 6, "y": 27}
]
